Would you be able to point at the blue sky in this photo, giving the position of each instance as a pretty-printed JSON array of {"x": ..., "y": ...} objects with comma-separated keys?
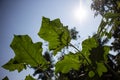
[{"x": 24, "y": 17}]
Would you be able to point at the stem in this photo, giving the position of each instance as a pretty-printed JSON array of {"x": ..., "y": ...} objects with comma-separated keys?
[
  {"x": 84, "y": 58},
  {"x": 80, "y": 52}
]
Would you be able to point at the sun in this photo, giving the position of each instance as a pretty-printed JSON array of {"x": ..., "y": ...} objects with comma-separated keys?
[{"x": 80, "y": 12}]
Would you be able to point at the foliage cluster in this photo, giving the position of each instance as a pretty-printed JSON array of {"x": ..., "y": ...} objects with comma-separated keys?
[{"x": 93, "y": 62}]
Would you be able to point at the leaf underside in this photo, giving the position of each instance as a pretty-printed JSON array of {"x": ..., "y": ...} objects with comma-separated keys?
[
  {"x": 29, "y": 78},
  {"x": 26, "y": 53},
  {"x": 69, "y": 62},
  {"x": 55, "y": 33},
  {"x": 14, "y": 65}
]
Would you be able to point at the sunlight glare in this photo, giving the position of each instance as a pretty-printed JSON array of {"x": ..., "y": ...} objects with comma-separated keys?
[{"x": 80, "y": 12}]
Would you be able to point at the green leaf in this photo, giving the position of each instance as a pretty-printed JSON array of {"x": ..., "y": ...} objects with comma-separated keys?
[
  {"x": 87, "y": 45},
  {"x": 99, "y": 54},
  {"x": 14, "y": 65},
  {"x": 26, "y": 51},
  {"x": 5, "y": 78},
  {"x": 106, "y": 52},
  {"x": 69, "y": 62},
  {"x": 91, "y": 74},
  {"x": 101, "y": 68},
  {"x": 29, "y": 78},
  {"x": 55, "y": 33}
]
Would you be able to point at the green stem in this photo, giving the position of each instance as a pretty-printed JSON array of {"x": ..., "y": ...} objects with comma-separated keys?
[
  {"x": 80, "y": 52},
  {"x": 84, "y": 58}
]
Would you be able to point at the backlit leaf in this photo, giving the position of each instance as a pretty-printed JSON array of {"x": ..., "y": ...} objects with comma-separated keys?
[
  {"x": 14, "y": 65},
  {"x": 29, "y": 78},
  {"x": 69, "y": 62},
  {"x": 55, "y": 33},
  {"x": 106, "y": 52},
  {"x": 26, "y": 51},
  {"x": 101, "y": 68},
  {"x": 87, "y": 45}
]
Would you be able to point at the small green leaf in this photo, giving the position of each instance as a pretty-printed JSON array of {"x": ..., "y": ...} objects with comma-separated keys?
[
  {"x": 106, "y": 52},
  {"x": 14, "y": 65},
  {"x": 91, "y": 74},
  {"x": 69, "y": 62},
  {"x": 5, "y": 78},
  {"x": 55, "y": 33},
  {"x": 101, "y": 68},
  {"x": 29, "y": 78},
  {"x": 26, "y": 51}
]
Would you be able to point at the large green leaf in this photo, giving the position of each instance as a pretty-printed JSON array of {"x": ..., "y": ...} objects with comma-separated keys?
[
  {"x": 26, "y": 51},
  {"x": 29, "y": 78},
  {"x": 101, "y": 68},
  {"x": 55, "y": 33},
  {"x": 14, "y": 65},
  {"x": 69, "y": 62},
  {"x": 87, "y": 45}
]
